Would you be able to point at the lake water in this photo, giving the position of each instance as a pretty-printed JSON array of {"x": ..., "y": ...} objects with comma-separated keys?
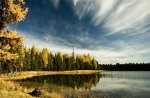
[{"x": 107, "y": 84}]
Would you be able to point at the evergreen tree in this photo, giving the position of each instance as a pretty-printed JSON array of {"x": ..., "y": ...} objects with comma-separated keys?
[
  {"x": 50, "y": 62},
  {"x": 40, "y": 62},
  {"x": 27, "y": 59},
  {"x": 94, "y": 63},
  {"x": 59, "y": 61},
  {"x": 77, "y": 63},
  {"x": 68, "y": 63},
  {"x": 65, "y": 57},
  {"x": 33, "y": 55}
]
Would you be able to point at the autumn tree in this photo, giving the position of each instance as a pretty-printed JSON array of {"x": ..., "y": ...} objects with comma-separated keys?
[
  {"x": 45, "y": 55},
  {"x": 94, "y": 64},
  {"x": 21, "y": 54},
  {"x": 12, "y": 12}
]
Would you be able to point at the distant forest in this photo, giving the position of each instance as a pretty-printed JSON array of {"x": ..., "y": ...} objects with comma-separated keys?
[{"x": 125, "y": 67}]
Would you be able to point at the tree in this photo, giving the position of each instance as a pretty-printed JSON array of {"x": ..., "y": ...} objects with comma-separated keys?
[
  {"x": 45, "y": 55},
  {"x": 77, "y": 63},
  {"x": 40, "y": 62},
  {"x": 50, "y": 62},
  {"x": 12, "y": 12},
  {"x": 27, "y": 59},
  {"x": 59, "y": 61},
  {"x": 21, "y": 53},
  {"x": 33, "y": 55},
  {"x": 68, "y": 63},
  {"x": 94, "y": 63}
]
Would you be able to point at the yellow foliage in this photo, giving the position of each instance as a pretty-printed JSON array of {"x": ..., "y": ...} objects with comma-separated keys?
[
  {"x": 15, "y": 12},
  {"x": 45, "y": 55}
]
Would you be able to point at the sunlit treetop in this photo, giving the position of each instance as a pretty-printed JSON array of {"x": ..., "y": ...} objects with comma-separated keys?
[{"x": 13, "y": 11}]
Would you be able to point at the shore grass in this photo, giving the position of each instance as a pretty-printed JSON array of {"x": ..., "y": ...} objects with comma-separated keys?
[
  {"x": 27, "y": 74},
  {"x": 9, "y": 89}
]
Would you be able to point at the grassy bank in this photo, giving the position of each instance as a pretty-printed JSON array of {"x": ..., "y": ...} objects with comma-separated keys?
[
  {"x": 27, "y": 74},
  {"x": 10, "y": 89}
]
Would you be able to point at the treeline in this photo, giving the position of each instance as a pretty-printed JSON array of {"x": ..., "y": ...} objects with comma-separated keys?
[
  {"x": 125, "y": 67},
  {"x": 35, "y": 60}
]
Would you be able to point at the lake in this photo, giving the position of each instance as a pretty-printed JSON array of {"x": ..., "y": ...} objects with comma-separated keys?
[{"x": 107, "y": 84}]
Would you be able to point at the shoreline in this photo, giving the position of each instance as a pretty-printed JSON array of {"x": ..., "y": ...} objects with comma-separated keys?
[{"x": 28, "y": 74}]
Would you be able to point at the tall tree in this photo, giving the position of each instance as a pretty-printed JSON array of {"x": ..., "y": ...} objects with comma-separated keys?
[
  {"x": 27, "y": 59},
  {"x": 45, "y": 55},
  {"x": 50, "y": 62},
  {"x": 94, "y": 63},
  {"x": 59, "y": 61},
  {"x": 21, "y": 53},
  {"x": 11, "y": 12},
  {"x": 33, "y": 57}
]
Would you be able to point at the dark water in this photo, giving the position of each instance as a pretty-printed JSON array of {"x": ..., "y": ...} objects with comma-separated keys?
[{"x": 114, "y": 84}]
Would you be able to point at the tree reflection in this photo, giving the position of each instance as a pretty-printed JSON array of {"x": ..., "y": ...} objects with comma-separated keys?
[{"x": 85, "y": 82}]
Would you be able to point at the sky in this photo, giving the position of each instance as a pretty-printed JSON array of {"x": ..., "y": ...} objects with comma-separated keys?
[{"x": 111, "y": 31}]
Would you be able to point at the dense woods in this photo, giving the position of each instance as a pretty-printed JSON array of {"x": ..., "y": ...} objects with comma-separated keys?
[
  {"x": 36, "y": 60},
  {"x": 125, "y": 67}
]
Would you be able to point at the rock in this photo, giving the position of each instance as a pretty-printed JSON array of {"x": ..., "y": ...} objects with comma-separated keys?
[{"x": 35, "y": 92}]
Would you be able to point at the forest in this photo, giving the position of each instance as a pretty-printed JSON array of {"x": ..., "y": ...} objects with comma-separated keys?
[
  {"x": 125, "y": 67},
  {"x": 35, "y": 60}
]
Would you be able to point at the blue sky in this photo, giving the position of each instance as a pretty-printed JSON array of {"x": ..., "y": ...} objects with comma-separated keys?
[{"x": 110, "y": 30}]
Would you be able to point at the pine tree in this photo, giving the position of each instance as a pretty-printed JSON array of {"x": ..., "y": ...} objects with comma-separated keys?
[
  {"x": 33, "y": 55},
  {"x": 50, "y": 62},
  {"x": 77, "y": 63},
  {"x": 27, "y": 59},
  {"x": 59, "y": 61},
  {"x": 40, "y": 62}
]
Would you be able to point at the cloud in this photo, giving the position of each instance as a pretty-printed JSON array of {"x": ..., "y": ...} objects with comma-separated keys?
[
  {"x": 128, "y": 53},
  {"x": 55, "y": 3},
  {"x": 115, "y": 15},
  {"x": 75, "y": 2}
]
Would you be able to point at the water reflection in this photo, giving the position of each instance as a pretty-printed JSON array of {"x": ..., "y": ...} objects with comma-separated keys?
[
  {"x": 111, "y": 84},
  {"x": 132, "y": 75},
  {"x": 126, "y": 84},
  {"x": 74, "y": 81}
]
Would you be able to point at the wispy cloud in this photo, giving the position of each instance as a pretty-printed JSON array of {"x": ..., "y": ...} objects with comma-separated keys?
[{"x": 115, "y": 15}]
